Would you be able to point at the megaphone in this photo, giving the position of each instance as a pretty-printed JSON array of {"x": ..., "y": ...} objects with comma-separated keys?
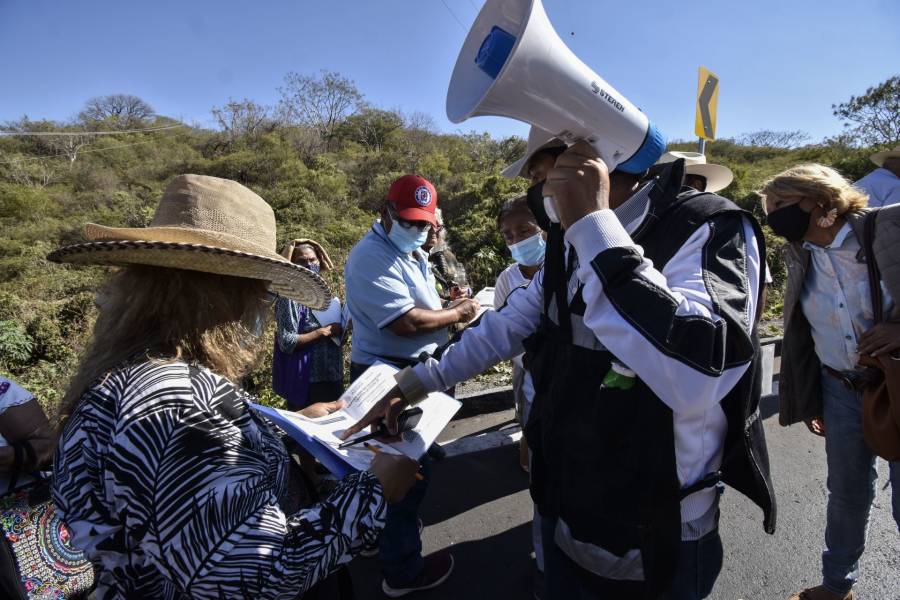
[{"x": 513, "y": 64}]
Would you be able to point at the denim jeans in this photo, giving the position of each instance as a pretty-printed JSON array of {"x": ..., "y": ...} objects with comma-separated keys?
[
  {"x": 400, "y": 545},
  {"x": 851, "y": 486},
  {"x": 699, "y": 564}
]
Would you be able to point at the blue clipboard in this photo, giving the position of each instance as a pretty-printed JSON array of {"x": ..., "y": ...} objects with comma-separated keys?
[{"x": 334, "y": 463}]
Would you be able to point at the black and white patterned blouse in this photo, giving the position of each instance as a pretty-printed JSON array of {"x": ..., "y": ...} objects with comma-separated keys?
[{"x": 174, "y": 487}]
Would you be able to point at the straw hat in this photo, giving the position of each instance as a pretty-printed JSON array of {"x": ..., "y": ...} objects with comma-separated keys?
[
  {"x": 203, "y": 224},
  {"x": 538, "y": 139},
  {"x": 717, "y": 176},
  {"x": 325, "y": 263},
  {"x": 879, "y": 157}
]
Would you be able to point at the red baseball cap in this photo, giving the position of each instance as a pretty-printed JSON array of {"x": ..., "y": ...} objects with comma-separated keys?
[{"x": 414, "y": 198}]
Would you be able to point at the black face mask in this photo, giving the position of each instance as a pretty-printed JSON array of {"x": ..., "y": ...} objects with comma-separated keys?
[
  {"x": 789, "y": 222},
  {"x": 535, "y": 200}
]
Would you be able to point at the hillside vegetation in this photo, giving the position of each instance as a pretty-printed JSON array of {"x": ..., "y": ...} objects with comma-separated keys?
[{"x": 323, "y": 168}]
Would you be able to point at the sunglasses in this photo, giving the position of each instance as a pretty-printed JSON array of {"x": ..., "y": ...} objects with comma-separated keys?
[{"x": 417, "y": 225}]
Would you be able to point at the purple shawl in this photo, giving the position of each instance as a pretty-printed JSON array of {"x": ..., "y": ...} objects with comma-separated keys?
[{"x": 291, "y": 372}]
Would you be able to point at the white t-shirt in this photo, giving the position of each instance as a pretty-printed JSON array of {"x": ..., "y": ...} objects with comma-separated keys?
[{"x": 511, "y": 279}]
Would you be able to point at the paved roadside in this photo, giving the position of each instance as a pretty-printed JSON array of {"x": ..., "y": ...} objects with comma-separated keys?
[{"x": 478, "y": 506}]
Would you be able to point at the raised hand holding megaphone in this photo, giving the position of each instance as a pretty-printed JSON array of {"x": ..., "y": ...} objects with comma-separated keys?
[
  {"x": 581, "y": 180},
  {"x": 513, "y": 64}
]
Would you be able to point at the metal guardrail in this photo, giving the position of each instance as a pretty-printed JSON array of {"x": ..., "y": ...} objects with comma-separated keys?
[{"x": 501, "y": 398}]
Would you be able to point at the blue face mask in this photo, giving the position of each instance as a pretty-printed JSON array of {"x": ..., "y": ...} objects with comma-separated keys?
[
  {"x": 529, "y": 252},
  {"x": 407, "y": 240}
]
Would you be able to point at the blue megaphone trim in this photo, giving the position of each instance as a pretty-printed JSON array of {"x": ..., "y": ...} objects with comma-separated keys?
[
  {"x": 646, "y": 156},
  {"x": 493, "y": 54},
  {"x": 494, "y": 51}
]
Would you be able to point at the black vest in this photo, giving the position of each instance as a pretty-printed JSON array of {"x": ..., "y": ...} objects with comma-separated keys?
[{"x": 604, "y": 458}]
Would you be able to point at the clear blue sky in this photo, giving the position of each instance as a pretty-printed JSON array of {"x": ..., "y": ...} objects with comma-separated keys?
[{"x": 782, "y": 63}]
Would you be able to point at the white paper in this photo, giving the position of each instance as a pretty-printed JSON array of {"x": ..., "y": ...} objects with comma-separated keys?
[
  {"x": 486, "y": 302},
  {"x": 371, "y": 386},
  {"x": 486, "y": 297},
  {"x": 332, "y": 314}
]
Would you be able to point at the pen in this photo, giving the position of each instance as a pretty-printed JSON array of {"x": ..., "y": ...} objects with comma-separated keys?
[{"x": 377, "y": 450}]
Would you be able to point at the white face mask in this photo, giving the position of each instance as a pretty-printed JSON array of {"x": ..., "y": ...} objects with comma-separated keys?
[
  {"x": 530, "y": 251},
  {"x": 407, "y": 240},
  {"x": 550, "y": 209}
]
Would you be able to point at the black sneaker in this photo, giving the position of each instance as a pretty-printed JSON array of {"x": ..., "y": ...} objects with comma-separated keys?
[{"x": 437, "y": 569}]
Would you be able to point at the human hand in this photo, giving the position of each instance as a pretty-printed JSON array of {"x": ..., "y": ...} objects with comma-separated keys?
[
  {"x": 578, "y": 184},
  {"x": 397, "y": 474},
  {"x": 466, "y": 309},
  {"x": 388, "y": 408},
  {"x": 336, "y": 330},
  {"x": 816, "y": 426},
  {"x": 322, "y": 409},
  {"x": 884, "y": 338}
]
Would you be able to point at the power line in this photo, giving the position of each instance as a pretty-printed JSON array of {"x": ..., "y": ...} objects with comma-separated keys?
[
  {"x": 477, "y": 10},
  {"x": 9, "y": 162},
  {"x": 463, "y": 27},
  {"x": 77, "y": 133}
]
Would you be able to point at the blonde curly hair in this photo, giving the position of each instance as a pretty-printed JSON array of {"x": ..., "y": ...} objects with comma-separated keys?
[{"x": 823, "y": 184}]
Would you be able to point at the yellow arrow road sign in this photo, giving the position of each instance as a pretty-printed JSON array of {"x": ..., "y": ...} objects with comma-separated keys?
[{"x": 707, "y": 102}]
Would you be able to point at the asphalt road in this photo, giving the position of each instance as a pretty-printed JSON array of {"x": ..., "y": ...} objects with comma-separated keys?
[{"x": 478, "y": 506}]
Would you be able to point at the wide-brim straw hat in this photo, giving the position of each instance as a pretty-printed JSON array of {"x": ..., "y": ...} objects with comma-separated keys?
[
  {"x": 718, "y": 177},
  {"x": 538, "y": 139},
  {"x": 325, "y": 263},
  {"x": 879, "y": 157},
  {"x": 203, "y": 224}
]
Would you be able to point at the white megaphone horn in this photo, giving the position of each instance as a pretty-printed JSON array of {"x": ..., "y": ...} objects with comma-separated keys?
[{"x": 513, "y": 64}]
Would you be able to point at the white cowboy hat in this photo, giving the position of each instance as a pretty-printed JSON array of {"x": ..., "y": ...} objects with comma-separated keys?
[
  {"x": 717, "y": 176},
  {"x": 538, "y": 139},
  {"x": 879, "y": 157},
  {"x": 203, "y": 224}
]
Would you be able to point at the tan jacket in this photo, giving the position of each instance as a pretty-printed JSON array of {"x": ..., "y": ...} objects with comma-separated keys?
[{"x": 799, "y": 384}]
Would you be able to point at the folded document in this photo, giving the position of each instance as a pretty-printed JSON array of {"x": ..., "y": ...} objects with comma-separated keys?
[{"x": 320, "y": 437}]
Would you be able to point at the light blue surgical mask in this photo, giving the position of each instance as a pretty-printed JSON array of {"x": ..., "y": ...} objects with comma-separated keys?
[
  {"x": 407, "y": 239},
  {"x": 530, "y": 251}
]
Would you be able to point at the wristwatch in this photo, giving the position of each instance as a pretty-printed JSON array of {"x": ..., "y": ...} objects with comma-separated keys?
[{"x": 410, "y": 386}]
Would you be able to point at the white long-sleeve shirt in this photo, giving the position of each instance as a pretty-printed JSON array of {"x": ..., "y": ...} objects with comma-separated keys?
[{"x": 691, "y": 388}]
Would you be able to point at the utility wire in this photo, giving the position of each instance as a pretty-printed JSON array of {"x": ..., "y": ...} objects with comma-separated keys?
[
  {"x": 8, "y": 162},
  {"x": 455, "y": 18},
  {"x": 76, "y": 133},
  {"x": 477, "y": 10}
]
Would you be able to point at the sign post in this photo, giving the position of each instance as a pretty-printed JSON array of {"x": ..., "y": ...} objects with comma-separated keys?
[{"x": 707, "y": 103}]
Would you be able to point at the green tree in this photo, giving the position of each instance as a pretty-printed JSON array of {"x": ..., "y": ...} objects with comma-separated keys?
[
  {"x": 370, "y": 127},
  {"x": 321, "y": 102},
  {"x": 240, "y": 118},
  {"x": 873, "y": 119},
  {"x": 120, "y": 111}
]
